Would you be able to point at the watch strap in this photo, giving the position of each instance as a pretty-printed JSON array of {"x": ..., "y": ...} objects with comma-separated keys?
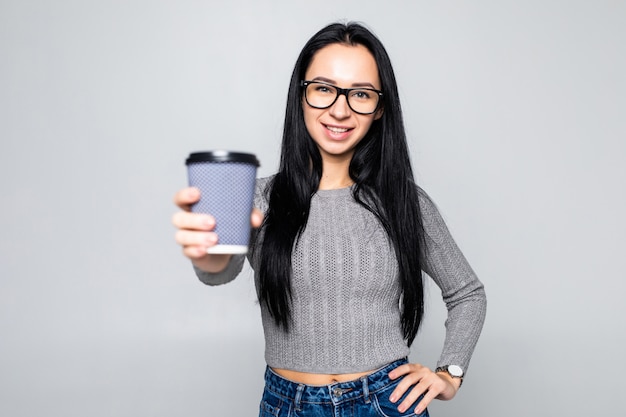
[{"x": 446, "y": 370}]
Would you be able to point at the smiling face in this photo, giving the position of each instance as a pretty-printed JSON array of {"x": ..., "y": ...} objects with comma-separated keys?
[{"x": 337, "y": 130}]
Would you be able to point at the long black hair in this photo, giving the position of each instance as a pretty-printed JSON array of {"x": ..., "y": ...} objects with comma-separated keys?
[{"x": 380, "y": 169}]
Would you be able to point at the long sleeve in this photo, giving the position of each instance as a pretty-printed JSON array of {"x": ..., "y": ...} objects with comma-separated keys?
[
  {"x": 228, "y": 274},
  {"x": 462, "y": 291}
]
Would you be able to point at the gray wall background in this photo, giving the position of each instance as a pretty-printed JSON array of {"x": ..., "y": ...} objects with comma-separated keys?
[{"x": 515, "y": 113}]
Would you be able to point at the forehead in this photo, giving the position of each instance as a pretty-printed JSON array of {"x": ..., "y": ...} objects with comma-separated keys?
[{"x": 344, "y": 65}]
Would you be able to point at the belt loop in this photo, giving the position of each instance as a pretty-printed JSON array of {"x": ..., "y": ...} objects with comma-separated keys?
[
  {"x": 366, "y": 390},
  {"x": 298, "y": 396}
]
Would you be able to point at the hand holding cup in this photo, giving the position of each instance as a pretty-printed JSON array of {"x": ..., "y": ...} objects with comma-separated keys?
[{"x": 217, "y": 208}]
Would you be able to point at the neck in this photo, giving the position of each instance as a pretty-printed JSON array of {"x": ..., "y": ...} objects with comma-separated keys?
[{"x": 335, "y": 174}]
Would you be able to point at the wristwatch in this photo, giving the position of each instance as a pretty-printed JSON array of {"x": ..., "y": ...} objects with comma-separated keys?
[{"x": 455, "y": 371}]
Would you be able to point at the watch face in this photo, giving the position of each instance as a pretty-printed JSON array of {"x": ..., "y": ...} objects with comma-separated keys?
[{"x": 455, "y": 370}]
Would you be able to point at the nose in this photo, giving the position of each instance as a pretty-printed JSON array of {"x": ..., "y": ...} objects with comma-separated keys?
[{"x": 340, "y": 109}]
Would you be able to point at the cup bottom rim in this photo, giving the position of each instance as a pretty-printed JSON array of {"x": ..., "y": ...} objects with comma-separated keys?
[{"x": 227, "y": 249}]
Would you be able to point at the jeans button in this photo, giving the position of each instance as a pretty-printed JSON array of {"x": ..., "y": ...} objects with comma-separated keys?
[{"x": 337, "y": 392}]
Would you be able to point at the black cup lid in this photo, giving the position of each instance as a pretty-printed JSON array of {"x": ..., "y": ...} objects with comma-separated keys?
[{"x": 222, "y": 156}]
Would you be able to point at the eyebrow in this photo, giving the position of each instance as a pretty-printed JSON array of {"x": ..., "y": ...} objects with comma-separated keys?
[{"x": 333, "y": 82}]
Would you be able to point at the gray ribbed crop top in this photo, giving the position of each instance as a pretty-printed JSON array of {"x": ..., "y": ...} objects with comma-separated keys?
[{"x": 346, "y": 290}]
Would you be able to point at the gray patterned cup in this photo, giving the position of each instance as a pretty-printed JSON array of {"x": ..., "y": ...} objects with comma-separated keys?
[{"x": 226, "y": 181}]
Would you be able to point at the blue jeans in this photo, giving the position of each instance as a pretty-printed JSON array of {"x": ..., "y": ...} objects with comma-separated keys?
[{"x": 367, "y": 396}]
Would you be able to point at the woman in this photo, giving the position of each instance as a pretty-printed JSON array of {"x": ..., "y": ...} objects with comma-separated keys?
[{"x": 343, "y": 237}]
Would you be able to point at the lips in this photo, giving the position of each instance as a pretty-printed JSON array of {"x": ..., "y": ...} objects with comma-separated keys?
[{"x": 337, "y": 132}]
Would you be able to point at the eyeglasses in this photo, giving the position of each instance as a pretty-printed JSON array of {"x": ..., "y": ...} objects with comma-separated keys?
[{"x": 320, "y": 95}]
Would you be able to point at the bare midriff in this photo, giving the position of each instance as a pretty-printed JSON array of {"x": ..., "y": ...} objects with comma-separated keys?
[{"x": 317, "y": 379}]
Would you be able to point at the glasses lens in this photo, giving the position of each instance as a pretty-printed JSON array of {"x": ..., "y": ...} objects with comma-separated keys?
[
  {"x": 363, "y": 101},
  {"x": 322, "y": 95}
]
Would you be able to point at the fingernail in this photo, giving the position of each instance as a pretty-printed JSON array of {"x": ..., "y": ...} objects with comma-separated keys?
[{"x": 393, "y": 398}]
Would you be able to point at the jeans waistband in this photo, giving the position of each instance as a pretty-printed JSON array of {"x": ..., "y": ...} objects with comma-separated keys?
[{"x": 333, "y": 393}]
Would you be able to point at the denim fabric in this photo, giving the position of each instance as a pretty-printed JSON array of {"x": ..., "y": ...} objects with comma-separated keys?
[{"x": 364, "y": 397}]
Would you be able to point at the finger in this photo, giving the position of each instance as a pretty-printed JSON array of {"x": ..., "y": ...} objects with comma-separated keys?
[
  {"x": 411, "y": 397},
  {"x": 186, "y": 197},
  {"x": 400, "y": 370},
  {"x": 431, "y": 386},
  {"x": 256, "y": 219},
  {"x": 405, "y": 384},
  {"x": 193, "y": 221},
  {"x": 191, "y": 238},
  {"x": 195, "y": 253},
  {"x": 425, "y": 401}
]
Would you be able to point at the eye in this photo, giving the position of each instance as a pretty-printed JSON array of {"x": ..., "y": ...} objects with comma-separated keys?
[
  {"x": 362, "y": 94},
  {"x": 323, "y": 89}
]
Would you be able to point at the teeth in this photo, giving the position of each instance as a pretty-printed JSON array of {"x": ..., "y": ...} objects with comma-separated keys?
[{"x": 336, "y": 129}]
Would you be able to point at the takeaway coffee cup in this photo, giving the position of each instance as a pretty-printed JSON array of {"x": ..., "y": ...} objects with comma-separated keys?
[{"x": 226, "y": 181}]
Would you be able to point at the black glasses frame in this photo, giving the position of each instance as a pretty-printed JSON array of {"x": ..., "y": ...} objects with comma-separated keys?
[{"x": 341, "y": 91}]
